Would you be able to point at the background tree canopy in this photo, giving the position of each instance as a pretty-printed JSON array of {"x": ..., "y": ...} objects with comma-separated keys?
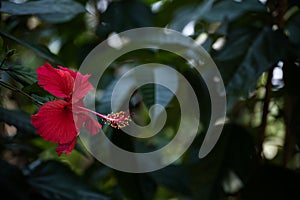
[{"x": 256, "y": 46}]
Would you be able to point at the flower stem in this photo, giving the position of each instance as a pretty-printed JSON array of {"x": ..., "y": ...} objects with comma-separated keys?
[
  {"x": 97, "y": 114},
  {"x": 116, "y": 120}
]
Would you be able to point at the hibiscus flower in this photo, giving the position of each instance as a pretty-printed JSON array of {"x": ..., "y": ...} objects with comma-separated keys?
[{"x": 60, "y": 120}]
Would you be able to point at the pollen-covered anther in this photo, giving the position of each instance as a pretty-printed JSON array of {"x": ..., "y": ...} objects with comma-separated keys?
[{"x": 118, "y": 120}]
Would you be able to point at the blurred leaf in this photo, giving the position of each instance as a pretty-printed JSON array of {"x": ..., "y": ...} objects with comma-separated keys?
[
  {"x": 105, "y": 101},
  {"x": 97, "y": 174},
  {"x": 24, "y": 75},
  {"x": 292, "y": 96},
  {"x": 156, "y": 93},
  {"x": 151, "y": 93},
  {"x": 234, "y": 153},
  {"x": 272, "y": 182},
  {"x": 81, "y": 150},
  {"x": 231, "y": 9},
  {"x": 19, "y": 119},
  {"x": 124, "y": 15},
  {"x": 12, "y": 182},
  {"x": 237, "y": 43},
  {"x": 174, "y": 177},
  {"x": 1, "y": 42},
  {"x": 150, "y": 2},
  {"x": 40, "y": 51},
  {"x": 214, "y": 12},
  {"x": 258, "y": 57},
  {"x": 38, "y": 93},
  {"x": 55, "y": 180},
  {"x": 293, "y": 28},
  {"x": 35, "y": 88},
  {"x": 135, "y": 186},
  {"x": 53, "y": 11},
  {"x": 167, "y": 11},
  {"x": 190, "y": 13}
]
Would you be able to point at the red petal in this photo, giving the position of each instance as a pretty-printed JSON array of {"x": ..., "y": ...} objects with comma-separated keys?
[
  {"x": 58, "y": 82},
  {"x": 66, "y": 148},
  {"x": 81, "y": 117},
  {"x": 92, "y": 125},
  {"x": 54, "y": 122},
  {"x": 82, "y": 85}
]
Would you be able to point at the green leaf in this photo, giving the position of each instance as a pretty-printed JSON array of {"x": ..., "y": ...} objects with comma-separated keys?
[
  {"x": 174, "y": 177},
  {"x": 293, "y": 28},
  {"x": 19, "y": 119},
  {"x": 190, "y": 13},
  {"x": 156, "y": 93},
  {"x": 238, "y": 42},
  {"x": 36, "y": 89},
  {"x": 136, "y": 186},
  {"x": 1, "y": 42},
  {"x": 97, "y": 174},
  {"x": 257, "y": 58},
  {"x": 231, "y": 9},
  {"x": 150, "y": 2},
  {"x": 214, "y": 12},
  {"x": 53, "y": 11},
  {"x": 233, "y": 154},
  {"x": 124, "y": 15},
  {"x": 24, "y": 75},
  {"x": 12, "y": 182},
  {"x": 151, "y": 93},
  {"x": 55, "y": 180},
  {"x": 40, "y": 51}
]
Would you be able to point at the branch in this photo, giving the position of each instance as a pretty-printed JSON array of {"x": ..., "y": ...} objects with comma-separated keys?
[{"x": 264, "y": 118}]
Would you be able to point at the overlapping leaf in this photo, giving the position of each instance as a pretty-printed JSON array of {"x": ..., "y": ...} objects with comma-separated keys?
[{"x": 53, "y": 11}]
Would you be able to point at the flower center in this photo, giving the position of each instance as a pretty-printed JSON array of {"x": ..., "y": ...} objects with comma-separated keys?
[{"x": 115, "y": 120}]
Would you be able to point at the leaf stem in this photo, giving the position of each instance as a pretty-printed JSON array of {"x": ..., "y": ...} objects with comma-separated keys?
[{"x": 10, "y": 87}]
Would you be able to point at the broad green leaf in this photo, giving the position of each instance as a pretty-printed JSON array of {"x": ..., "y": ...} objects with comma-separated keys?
[
  {"x": 124, "y": 15},
  {"x": 258, "y": 57},
  {"x": 238, "y": 42},
  {"x": 215, "y": 12},
  {"x": 135, "y": 186},
  {"x": 42, "y": 52},
  {"x": 231, "y": 9},
  {"x": 190, "y": 13},
  {"x": 55, "y": 180},
  {"x": 233, "y": 154},
  {"x": 168, "y": 9},
  {"x": 19, "y": 119},
  {"x": 53, "y": 11}
]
